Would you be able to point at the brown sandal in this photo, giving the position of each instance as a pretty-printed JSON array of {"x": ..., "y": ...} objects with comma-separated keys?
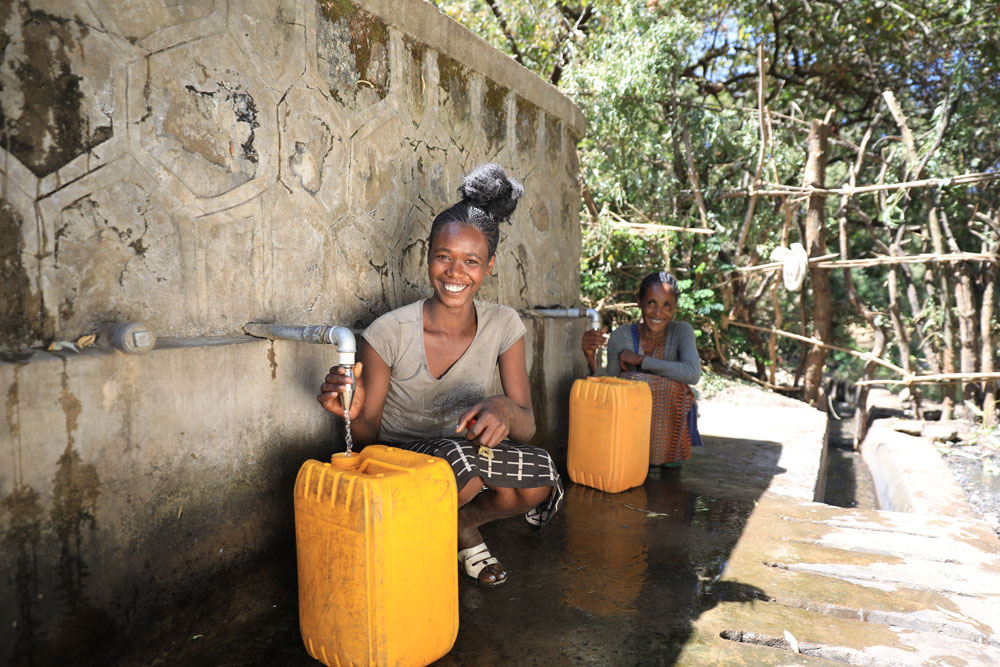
[{"x": 482, "y": 566}]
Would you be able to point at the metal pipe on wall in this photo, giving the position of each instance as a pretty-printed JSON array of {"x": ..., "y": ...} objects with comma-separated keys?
[
  {"x": 572, "y": 313},
  {"x": 340, "y": 336},
  {"x": 595, "y": 317}
]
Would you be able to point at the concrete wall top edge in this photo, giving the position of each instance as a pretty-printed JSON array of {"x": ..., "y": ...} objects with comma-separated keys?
[{"x": 439, "y": 31}]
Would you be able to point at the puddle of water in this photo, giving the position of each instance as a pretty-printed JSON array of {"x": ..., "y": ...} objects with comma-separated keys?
[{"x": 617, "y": 579}]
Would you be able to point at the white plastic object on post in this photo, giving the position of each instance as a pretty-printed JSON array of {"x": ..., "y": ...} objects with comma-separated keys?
[{"x": 794, "y": 262}]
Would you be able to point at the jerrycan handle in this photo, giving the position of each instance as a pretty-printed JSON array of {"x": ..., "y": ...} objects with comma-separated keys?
[
  {"x": 367, "y": 463},
  {"x": 610, "y": 379}
]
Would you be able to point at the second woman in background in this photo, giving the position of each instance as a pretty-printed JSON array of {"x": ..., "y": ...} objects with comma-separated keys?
[{"x": 660, "y": 351}]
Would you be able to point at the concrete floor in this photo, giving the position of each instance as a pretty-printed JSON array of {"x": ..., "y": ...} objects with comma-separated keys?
[{"x": 708, "y": 565}]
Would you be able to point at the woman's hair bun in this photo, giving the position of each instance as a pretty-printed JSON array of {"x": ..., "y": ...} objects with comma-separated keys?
[{"x": 488, "y": 188}]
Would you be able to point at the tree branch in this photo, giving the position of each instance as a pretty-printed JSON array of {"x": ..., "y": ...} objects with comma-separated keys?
[{"x": 506, "y": 30}]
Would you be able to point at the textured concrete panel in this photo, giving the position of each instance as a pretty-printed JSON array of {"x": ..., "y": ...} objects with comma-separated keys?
[
  {"x": 353, "y": 54},
  {"x": 203, "y": 117},
  {"x": 196, "y": 165},
  {"x": 161, "y": 24},
  {"x": 121, "y": 494},
  {"x": 58, "y": 85},
  {"x": 272, "y": 36},
  {"x": 314, "y": 144}
]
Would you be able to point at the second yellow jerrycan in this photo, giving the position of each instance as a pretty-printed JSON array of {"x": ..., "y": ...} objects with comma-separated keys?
[
  {"x": 609, "y": 433},
  {"x": 376, "y": 535}
]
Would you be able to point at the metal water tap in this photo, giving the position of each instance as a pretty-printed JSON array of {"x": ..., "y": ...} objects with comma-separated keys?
[
  {"x": 347, "y": 396},
  {"x": 340, "y": 336}
]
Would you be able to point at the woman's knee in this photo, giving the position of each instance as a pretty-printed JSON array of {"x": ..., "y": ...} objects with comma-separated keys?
[
  {"x": 514, "y": 501},
  {"x": 533, "y": 496},
  {"x": 470, "y": 490}
]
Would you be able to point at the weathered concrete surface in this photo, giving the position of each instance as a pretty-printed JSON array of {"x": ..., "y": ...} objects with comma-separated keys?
[
  {"x": 126, "y": 501},
  {"x": 864, "y": 587},
  {"x": 797, "y": 435},
  {"x": 134, "y": 502},
  {"x": 909, "y": 474},
  {"x": 195, "y": 166},
  {"x": 854, "y": 586},
  {"x": 192, "y": 165},
  {"x": 662, "y": 574}
]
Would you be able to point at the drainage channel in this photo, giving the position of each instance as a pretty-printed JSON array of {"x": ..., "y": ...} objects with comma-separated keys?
[
  {"x": 848, "y": 480},
  {"x": 789, "y": 643}
]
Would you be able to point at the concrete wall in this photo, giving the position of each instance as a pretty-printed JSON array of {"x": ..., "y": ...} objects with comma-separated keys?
[
  {"x": 196, "y": 166},
  {"x": 909, "y": 474}
]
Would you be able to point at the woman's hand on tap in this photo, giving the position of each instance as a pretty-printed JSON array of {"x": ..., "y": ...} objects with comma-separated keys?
[
  {"x": 333, "y": 386},
  {"x": 593, "y": 341}
]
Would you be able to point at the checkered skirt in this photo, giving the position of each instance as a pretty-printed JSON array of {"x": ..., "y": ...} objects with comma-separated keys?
[{"x": 511, "y": 465}]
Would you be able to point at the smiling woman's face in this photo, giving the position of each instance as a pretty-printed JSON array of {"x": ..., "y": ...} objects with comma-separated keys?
[
  {"x": 457, "y": 263},
  {"x": 659, "y": 303}
]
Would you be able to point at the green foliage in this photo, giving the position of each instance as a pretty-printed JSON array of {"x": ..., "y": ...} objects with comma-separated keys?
[{"x": 648, "y": 74}]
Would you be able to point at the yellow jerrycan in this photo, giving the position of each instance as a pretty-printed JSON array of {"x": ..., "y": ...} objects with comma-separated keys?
[
  {"x": 376, "y": 535},
  {"x": 609, "y": 433}
]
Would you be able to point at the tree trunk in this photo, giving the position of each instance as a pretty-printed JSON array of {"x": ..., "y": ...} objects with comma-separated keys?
[
  {"x": 965, "y": 305},
  {"x": 899, "y": 327},
  {"x": 861, "y": 404},
  {"x": 986, "y": 341},
  {"x": 947, "y": 319},
  {"x": 931, "y": 353},
  {"x": 815, "y": 176},
  {"x": 861, "y": 410}
]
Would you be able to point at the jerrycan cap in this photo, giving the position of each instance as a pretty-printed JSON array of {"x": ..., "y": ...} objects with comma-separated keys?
[{"x": 345, "y": 460}]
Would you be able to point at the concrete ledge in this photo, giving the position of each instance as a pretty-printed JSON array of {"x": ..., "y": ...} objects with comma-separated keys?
[
  {"x": 909, "y": 474},
  {"x": 796, "y": 433},
  {"x": 439, "y": 31}
]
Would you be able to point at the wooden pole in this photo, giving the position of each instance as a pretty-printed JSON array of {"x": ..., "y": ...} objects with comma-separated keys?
[
  {"x": 761, "y": 154},
  {"x": 815, "y": 242},
  {"x": 924, "y": 258},
  {"x": 814, "y": 341},
  {"x": 987, "y": 348},
  {"x": 692, "y": 172},
  {"x": 938, "y": 378},
  {"x": 646, "y": 227},
  {"x": 782, "y": 190}
]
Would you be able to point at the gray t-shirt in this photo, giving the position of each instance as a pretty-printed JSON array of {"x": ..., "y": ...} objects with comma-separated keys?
[
  {"x": 680, "y": 355},
  {"x": 418, "y": 405}
]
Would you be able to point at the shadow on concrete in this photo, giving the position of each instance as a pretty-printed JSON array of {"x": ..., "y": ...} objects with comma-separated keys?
[
  {"x": 615, "y": 579},
  {"x": 620, "y": 578}
]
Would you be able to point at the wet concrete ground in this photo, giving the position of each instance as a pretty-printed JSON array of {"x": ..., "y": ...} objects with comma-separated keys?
[
  {"x": 616, "y": 579},
  {"x": 707, "y": 565}
]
